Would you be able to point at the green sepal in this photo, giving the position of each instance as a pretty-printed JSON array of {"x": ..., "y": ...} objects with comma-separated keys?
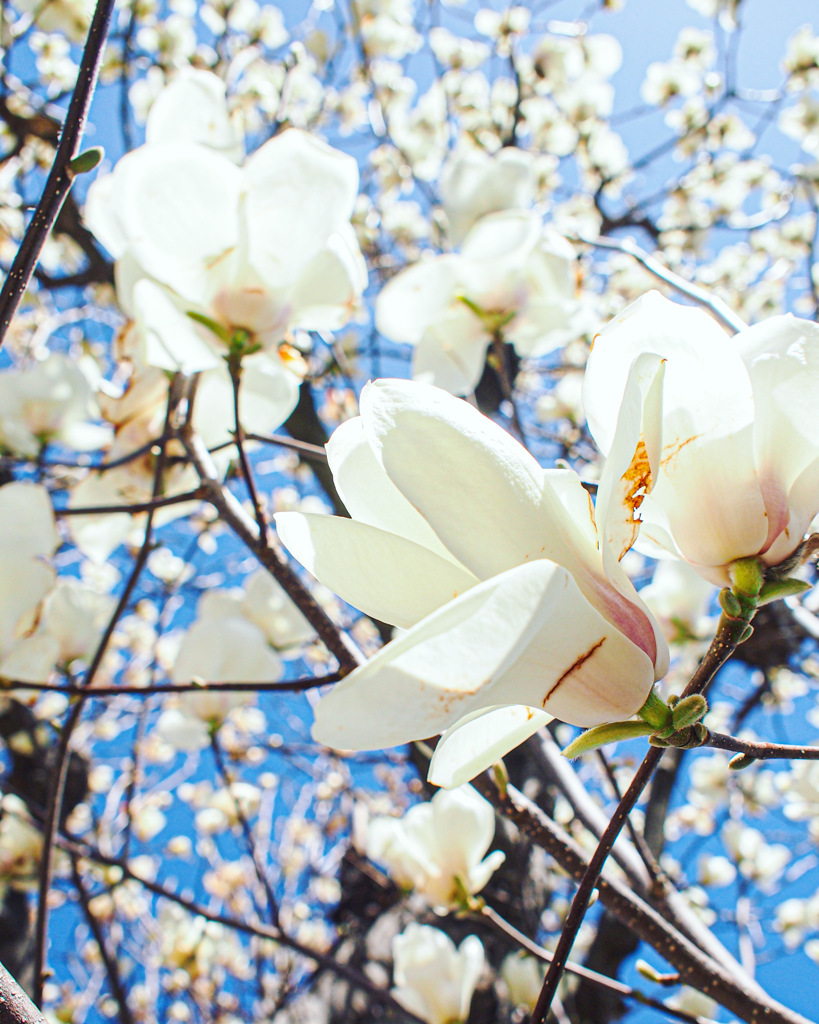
[
  {"x": 747, "y": 576},
  {"x": 221, "y": 332},
  {"x": 773, "y": 590},
  {"x": 600, "y": 735},
  {"x": 688, "y": 711},
  {"x": 86, "y": 161},
  {"x": 655, "y": 711}
]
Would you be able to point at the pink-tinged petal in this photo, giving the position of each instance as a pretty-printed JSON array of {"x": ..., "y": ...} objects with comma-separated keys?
[
  {"x": 169, "y": 338},
  {"x": 782, "y": 358},
  {"x": 526, "y": 636},
  {"x": 298, "y": 193},
  {"x": 416, "y": 298},
  {"x": 368, "y": 493},
  {"x": 178, "y": 206},
  {"x": 480, "y": 491},
  {"x": 476, "y": 741},
  {"x": 452, "y": 352},
  {"x": 386, "y": 576},
  {"x": 193, "y": 108},
  {"x": 711, "y": 499}
]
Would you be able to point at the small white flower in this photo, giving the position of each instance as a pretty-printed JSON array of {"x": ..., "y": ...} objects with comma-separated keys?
[
  {"x": 433, "y": 979},
  {"x": 437, "y": 847}
]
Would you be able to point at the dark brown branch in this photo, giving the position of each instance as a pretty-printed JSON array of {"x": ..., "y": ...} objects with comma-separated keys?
[
  {"x": 15, "y": 1005},
  {"x": 61, "y": 176}
]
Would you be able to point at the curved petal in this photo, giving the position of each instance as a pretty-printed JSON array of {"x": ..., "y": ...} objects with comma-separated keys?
[
  {"x": 27, "y": 518},
  {"x": 170, "y": 339},
  {"x": 267, "y": 395},
  {"x": 193, "y": 108},
  {"x": 706, "y": 390},
  {"x": 480, "y": 491},
  {"x": 476, "y": 741},
  {"x": 417, "y": 297},
  {"x": 326, "y": 291},
  {"x": 452, "y": 353},
  {"x": 25, "y": 583},
  {"x": 298, "y": 192},
  {"x": 782, "y": 358},
  {"x": 178, "y": 206},
  {"x": 527, "y": 636},
  {"x": 463, "y": 827},
  {"x": 386, "y": 576},
  {"x": 368, "y": 493},
  {"x": 100, "y": 215}
]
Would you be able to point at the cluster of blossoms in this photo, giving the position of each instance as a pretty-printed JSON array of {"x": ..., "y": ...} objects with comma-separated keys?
[{"x": 512, "y": 591}]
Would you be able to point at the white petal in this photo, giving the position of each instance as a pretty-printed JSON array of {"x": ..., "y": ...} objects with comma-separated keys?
[
  {"x": 368, "y": 493},
  {"x": 27, "y": 525},
  {"x": 782, "y": 357},
  {"x": 326, "y": 291},
  {"x": 476, "y": 741},
  {"x": 706, "y": 390},
  {"x": 267, "y": 395},
  {"x": 232, "y": 650},
  {"x": 101, "y": 215},
  {"x": 299, "y": 191},
  {"x": 417, "y": 297},
  {"x": 25, "y": 583},
  {"x": 193, "y": 109},
  {"x": 476, "y": 486},
  {"x": 178, "y": 205},
  {"x": 452, "y": 352},
  {"x": 527, "y": 636},
  {"x": 170, "y": 339},
  {"x": 384, "y": 575}
]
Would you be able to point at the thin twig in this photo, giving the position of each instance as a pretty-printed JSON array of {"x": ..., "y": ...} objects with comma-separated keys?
[
  {"x": 70, "y": 689},
  {"x": 61, "y": 176},
  {"x": 594, "y": 977},
  {"x": 232, "y": 513},
  {"x": 722, "y": 647},
  {"x": 721, "y": 310},
  {"x": 761, "y": 751}
]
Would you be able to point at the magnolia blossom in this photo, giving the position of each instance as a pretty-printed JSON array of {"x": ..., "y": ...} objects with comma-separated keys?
[
  {"x": 473, "y": 184},
  {"x": 251, "y": 252},
  {"x": 739, "y": 473},
  {"x": 28, "y": 537},
  {"x": 222, "y": 646},
  {"x": 491, "y": 563},
  {"x": 512, "y": 278},
  {"x": 433, "y": 979},
  {"x": 437, "y": 847},
  {"x": 50, "y": 400}
]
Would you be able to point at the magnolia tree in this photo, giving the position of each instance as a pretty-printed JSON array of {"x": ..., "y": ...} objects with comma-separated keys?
[{"x": 401, "y": 426}]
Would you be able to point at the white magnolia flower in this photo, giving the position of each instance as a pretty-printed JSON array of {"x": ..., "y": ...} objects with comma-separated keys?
[
  {"x": 51, "y": 400},
  {"x": 511, "y": 276},
  {"x": 523, "y": 976},
  {"x": 438, "y": 847},
  {"x": 475, "y": 183},
  {"x": 492, "y": 565},
  {"x": 28, "y": 536},
  {"x": 256, "y": 251},
  {"x": 739, "y": 474},
  {"x": 433, "y": 979}
]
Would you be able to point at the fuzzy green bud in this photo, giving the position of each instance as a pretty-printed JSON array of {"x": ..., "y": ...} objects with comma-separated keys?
[
  {"x": 600, "y": 735},
  {"x": 689, "y": 710},
  {"x": 740, "y": 761}
]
